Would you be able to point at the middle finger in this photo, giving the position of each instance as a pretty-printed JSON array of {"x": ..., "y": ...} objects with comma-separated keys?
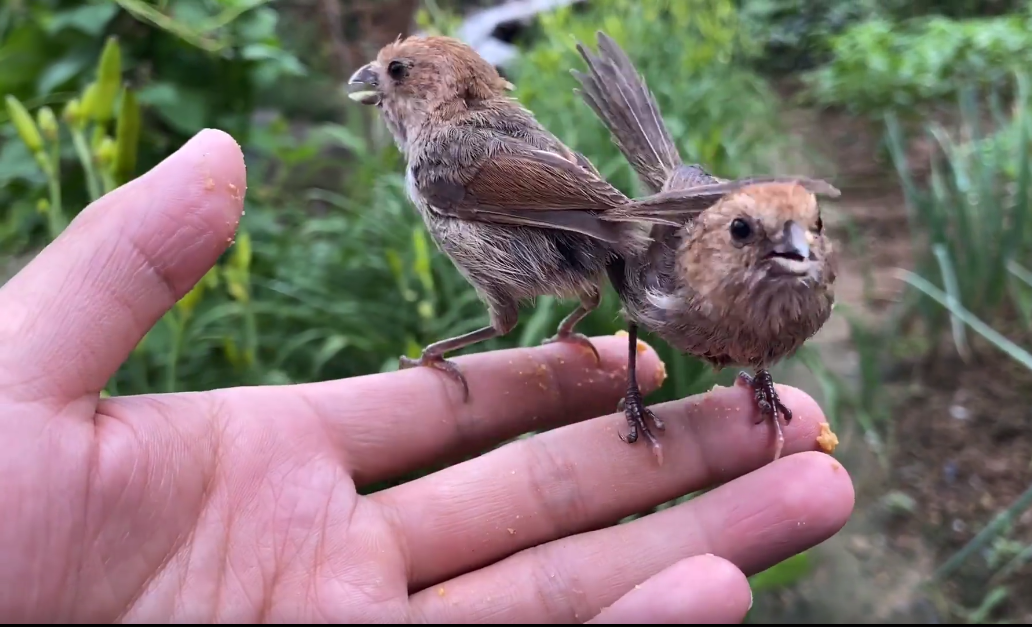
[{"x": 581, "y": 477}]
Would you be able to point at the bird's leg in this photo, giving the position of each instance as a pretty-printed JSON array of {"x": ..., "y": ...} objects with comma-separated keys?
[
  {"x": 503, "y": 319},
  {"x": 633, "y": 405},
  {"x": 769, "y": 403},
  {"x": 589, "y": 302}
]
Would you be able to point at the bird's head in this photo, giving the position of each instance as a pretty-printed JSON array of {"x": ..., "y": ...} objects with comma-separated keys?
[
  {"x": 764, "y": 241},
  {"x": 415, "y": 76}
]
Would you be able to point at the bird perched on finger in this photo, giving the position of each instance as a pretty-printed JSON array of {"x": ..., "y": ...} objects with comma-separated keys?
[
  {"x": 517, "y": 212},
  {"x": 738, "y": 272}
]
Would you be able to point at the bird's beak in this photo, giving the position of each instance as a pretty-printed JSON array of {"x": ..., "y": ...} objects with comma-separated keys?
[
  {"x": 793, "y": 241},
  {"x": 363, "y": 84}
]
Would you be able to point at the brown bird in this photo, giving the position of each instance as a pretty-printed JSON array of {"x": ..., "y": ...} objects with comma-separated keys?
[
  {"x": 739, "y": 272},
  {"x": 516, "y": 211}
]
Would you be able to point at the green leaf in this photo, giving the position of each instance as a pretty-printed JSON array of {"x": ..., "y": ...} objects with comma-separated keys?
[
  {"x": 127, "y": 137},
  {"x": 61, "y": 71},
  {"x": 258, "y": 25},
  {"x": 90, "y": 19},
  {"x": 16, "y": 163},
  {"x": 783, "y": 574},
  {"x": 333, "y": 345},
  {"x": 109, "y": 80},
  {"x": 183, "y": 109}
]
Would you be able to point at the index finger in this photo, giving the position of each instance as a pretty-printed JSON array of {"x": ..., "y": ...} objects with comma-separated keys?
[{"x": 387, "y": 424}]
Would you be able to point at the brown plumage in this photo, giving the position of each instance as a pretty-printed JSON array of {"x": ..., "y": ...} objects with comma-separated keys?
[
  {"x": 739, "y": 272},
  {"x": 519, "y": 213}
]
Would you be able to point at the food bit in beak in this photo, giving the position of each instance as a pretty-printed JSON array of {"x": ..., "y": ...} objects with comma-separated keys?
[
  {"x": 793, "y": 243},
  {"x": 362, "y": 86}
]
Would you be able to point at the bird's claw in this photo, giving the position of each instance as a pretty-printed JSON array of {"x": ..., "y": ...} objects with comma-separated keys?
[
  {"x": 439, "y": 363},
  {"x": 637, "y": 415},
  {"x": 575, "y": 338},
  {"x": 769, "y": 404}
]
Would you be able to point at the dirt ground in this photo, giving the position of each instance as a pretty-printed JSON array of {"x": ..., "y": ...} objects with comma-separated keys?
[{"x": 961, "y": 440}]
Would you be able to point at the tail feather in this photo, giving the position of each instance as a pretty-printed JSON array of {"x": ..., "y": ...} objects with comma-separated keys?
[
  {"x": 618, "y": 95},
  {"x": 675, "y": 207}
]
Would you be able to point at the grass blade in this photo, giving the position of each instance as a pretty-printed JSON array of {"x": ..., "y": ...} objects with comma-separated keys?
[
  {"x": 1013, "y": 350},
  {"x": 949, "y": 280}
]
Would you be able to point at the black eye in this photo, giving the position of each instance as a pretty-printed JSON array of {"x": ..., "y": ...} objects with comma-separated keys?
[
  {"x": 820, "y": 224},
  {"x": 397, "y": 70},
  {"x": 740, "y": 229}
]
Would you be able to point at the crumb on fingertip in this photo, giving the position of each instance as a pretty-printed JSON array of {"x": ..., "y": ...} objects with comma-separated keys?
[
  {"x": 620, "y": 333},
  {"x": 827, "y": 439},
  {"x": 661, "y": 373}
]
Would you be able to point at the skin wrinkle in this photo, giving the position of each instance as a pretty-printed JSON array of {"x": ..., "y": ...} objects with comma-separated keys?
[
  {"x": 550, "y": 580},
  {"x": 502, "y": 379},
  {"x": 183, "y": 544},
  {"x": 392, "y": 517},
  {"x": 320, "y": 549},
  {"x": 321, "y": 518},
  {"x": 553, "y": 485},
  {"x": 470, "y": 429},
  {"x": 316, "y": 416},
  {"x": 224, "y": 563}
]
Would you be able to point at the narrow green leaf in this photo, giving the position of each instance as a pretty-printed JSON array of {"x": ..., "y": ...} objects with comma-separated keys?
[
  {"x": 109, "y": 80},
  {"x": 127, "y": 137}
]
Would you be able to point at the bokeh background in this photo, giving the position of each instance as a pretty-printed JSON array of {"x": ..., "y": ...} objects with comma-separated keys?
[{"x": 917, "y": 109}]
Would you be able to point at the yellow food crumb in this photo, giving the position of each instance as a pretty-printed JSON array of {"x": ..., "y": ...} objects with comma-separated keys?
[
  {"x": 620, "y": 333},
  {"x": 642, "y": 347},
  {"x": 440, "y": 591},
  {"x": 827, "y": 439},
  {"x": 662, "y": 372}
]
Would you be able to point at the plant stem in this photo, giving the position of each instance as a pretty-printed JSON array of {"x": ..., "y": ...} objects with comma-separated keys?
[
  {"x": 108, "y": 181},
  {"x": 251, "y": 334},
  {"x": 989, "y": 532},
  {"x": 55, "y": 217},
  {"x": 173, "y": 355},
  {"x": 51, "y": 166},
  {"x": 87, "y": 163}
]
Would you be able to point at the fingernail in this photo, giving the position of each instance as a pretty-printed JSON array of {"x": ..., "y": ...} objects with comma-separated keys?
[{"x": 750, "y": 599}]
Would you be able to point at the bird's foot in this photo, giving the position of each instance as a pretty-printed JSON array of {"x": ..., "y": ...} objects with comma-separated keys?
[
  {"x": 633, "y": 407},
  {"x": 769, "y": 404},
  {"x": 575, "y": 338},
  {"x": 439, "y": 363}
]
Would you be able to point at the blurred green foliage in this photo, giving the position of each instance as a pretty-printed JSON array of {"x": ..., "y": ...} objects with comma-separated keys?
[
  {"x": 192, "y": 64},
  {"x": 881, "y": 64},
  {"x": 719, "y": 112},
  {"x": 972, "y": 216},
  {"x": 796, "y": 35}
]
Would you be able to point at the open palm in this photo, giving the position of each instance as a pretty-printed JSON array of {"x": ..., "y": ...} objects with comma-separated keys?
[{"x": 240, "y": 505}]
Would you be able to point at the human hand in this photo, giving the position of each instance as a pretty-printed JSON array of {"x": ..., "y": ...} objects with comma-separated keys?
[{"x": 240, "y": 505}]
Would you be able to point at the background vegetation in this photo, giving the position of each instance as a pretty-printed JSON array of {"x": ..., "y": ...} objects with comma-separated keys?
[{"x": 332, "y": 274}]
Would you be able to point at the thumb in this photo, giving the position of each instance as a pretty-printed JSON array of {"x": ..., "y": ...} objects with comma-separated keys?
[{"x": 71, "y": 317}]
